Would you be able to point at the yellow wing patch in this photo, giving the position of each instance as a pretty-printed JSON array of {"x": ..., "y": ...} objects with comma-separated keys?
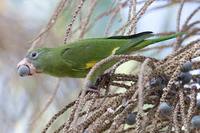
[
  {"x": 114, "y": 50},
  {"x": 90, "y": 64}
]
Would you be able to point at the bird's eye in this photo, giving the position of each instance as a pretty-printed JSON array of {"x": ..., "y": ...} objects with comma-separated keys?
[{"x": 34, "y": 55}]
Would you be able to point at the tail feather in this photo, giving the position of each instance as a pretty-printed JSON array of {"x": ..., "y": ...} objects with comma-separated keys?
[
  {"x": 147, "y": 42},
  {"x": 142, "y": 34},
  {"x": 133, "y": 40},
  {"x": 166, "y": 37}
]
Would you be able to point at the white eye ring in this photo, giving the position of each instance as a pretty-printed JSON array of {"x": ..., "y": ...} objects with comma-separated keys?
[{"x": 34, "y": 55}]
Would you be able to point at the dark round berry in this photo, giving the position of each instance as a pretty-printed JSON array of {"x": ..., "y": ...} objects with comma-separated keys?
[
  {"x": 185, "y": 77},
  {"x": 187, "y": 66},
  {"x": 165, "y": 108},
  {"x": 195, "y": 121},
  {"x": 131, "y": 118},
  {"x": 155, "y": 82},
  {"x": 23, "y": 70}
]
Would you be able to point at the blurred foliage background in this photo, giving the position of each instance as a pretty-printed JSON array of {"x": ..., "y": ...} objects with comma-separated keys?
[{"x": 22, "y": 99}]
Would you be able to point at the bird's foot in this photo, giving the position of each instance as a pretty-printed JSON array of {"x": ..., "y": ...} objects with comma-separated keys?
[
  {"x": 93, "y": 89},
  {"x": 103, "y": 80}
]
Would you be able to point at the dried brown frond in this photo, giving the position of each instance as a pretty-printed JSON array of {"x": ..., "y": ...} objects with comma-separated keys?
[
  {"x": 126, "y": 93},
  {"x": 69, "y": 27},
  {"x": 50, "y": 24}
]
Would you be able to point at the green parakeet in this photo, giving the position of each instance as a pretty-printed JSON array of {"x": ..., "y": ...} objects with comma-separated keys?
[{"x": 77, "y": 58}]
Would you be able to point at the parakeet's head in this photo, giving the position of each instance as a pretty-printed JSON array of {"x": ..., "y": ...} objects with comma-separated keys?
[{"x": 34, "y": 62}]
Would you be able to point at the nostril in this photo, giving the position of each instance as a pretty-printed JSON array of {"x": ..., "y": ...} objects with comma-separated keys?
[
  {"x": 23, "y": 70},
  {"x": 23, "y": 62}
]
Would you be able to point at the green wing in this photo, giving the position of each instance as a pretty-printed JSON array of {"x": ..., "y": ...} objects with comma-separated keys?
[
  {"x": 83, "y": 54},
  {"x": 134, "y": 41}
]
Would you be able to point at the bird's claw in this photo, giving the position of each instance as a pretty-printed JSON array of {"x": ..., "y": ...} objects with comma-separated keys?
[
  {"x": 103, "y": 80},
  {"x": 93, "y": 89}
]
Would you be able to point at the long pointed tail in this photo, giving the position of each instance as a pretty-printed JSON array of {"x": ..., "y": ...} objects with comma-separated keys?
[{"x": 158, "y": 39}]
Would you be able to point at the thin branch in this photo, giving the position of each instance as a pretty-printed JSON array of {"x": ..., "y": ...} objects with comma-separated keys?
[{"x": 50, "y": 24}]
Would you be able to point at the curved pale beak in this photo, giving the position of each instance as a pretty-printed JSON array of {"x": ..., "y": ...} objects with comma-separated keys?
[{"x": 26, "y": 68}]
